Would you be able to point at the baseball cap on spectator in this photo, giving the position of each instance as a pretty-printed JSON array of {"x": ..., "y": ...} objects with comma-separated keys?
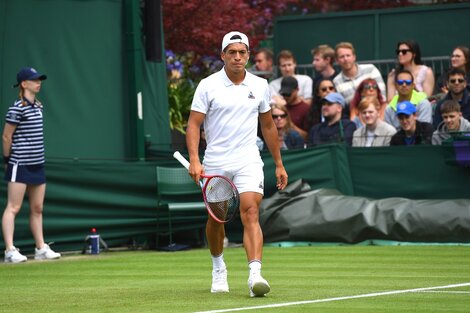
[
  {"x": 334, "y": 97},
  {"x": 288, "y": 84},
  {"x": 28, "y": 73},
  {"x": 234, "y": 37},
  {"x": 406, "y": 107}
]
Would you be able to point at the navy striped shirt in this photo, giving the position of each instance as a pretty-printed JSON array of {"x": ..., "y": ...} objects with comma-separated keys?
[{"x": 28, "y": 139}]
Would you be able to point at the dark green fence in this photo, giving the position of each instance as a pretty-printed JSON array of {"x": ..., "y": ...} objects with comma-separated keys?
[
  {"x": 119, "y": 198},
  {"x": 374, "y": 33},
  {"x": 91, "y": 53}
]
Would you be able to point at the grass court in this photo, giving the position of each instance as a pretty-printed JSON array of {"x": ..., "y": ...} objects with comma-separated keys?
[{"x": 303, "y": 279}]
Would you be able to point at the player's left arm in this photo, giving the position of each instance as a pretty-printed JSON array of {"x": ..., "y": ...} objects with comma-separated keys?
[{"x": 271, "y": 138}]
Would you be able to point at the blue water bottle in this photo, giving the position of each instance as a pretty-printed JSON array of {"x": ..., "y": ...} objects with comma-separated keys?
[{"x": 94, "y": 242}]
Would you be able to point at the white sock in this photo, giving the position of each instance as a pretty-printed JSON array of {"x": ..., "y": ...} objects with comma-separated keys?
[
  {"x": 218, "y": 262},
  {"x": 255, "y": 266}
]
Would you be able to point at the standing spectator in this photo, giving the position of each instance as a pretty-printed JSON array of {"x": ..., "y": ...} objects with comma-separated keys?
[
  {"x": 323, "y": 87},
  {"x": 453, "y": 123},
  {"x": 352, "y": 74},
  {"x": 460, "y": 59},
  {"x": 367, "y": 88},
  {"x": 298, "y": 109},
  {"x": 409, "y": 58},
  {"x": 333, "y": 129},
  {"x": 456, "y": 84},
  {"x": 264, "y": 63},
  {"x": 288, "y": 137},
  {"x": 376, "y": 132},
  {"x": 23, "y": 154},
  {"x": 412, "y": 132},
  {"x": 406, "y": 92},
  {"x": 287, "y": 65},
  {"x": 230, "y": 103},
  {"x": 323, "y": 59}
]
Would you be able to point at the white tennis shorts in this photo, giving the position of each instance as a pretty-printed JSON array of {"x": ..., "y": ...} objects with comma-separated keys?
[{"x": 248, "y": 177}]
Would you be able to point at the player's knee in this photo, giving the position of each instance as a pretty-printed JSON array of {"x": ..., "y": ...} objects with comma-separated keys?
[{"x": 36, "y": 209}]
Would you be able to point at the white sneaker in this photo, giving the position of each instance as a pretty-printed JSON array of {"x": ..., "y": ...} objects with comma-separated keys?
[
  {"x": 14, "y": 256},
  {"x": 258, "y": 286},
  {"x": 219, "y": 281},
  {"x": 45, "y": 253}
]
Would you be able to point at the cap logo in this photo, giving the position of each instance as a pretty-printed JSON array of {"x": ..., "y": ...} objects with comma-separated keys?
[
  {"x": 33, "y": 70},
  {"x": 402, "y": 106}
]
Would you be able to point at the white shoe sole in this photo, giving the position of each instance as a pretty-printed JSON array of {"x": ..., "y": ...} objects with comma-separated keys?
[
  {"x": 15, "y": 262},
  {"x": 259, "y": 289},
  {"x": 219, "y": 290}
]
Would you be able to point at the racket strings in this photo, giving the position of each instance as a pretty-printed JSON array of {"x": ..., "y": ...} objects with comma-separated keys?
[{"x": 222, "y": 198}]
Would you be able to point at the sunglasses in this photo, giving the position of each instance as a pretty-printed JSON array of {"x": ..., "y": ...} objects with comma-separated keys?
[
  {"x": 404, "y": 81},
  {"x": 330, "y": 88},
  {"x": 276, "y": 116},
  {"x": 285, "y": 94},
  {"x": 370, "y": 86},
  {"x": 455, "y": 81},
  {"x": 402, "y": 51}
]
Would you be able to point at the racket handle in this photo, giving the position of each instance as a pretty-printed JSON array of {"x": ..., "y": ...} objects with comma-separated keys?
[{"x": 177, "y": 155}]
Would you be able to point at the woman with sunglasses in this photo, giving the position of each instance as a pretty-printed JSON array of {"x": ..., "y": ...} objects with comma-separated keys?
[
  {"x": 288, "y": 137},
  {"x": 367, "y": 88},
  {"x": 320, "y": 90},
  {"x": 460, "y": 58},
  {"x": 409, "y": 58}
]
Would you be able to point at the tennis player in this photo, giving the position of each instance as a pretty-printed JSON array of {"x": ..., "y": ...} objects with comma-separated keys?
[
  {"x": 230, "y": 103},
  {"x": 23, "y": 155}
]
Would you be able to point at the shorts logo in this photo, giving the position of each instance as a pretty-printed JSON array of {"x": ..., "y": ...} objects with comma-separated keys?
[{"x": 260, "y": 185}]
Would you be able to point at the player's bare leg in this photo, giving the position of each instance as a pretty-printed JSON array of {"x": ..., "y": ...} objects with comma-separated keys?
[
  {"x": 253, "y": 242},
  {"x": 215, "y": 234}
]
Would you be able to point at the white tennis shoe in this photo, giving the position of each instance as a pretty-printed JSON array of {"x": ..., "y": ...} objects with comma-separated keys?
[
  {"x": 258, "y": 286},
  {"x": 45, "y": 253},
  {"x": 219, "y": 281},
  {"x": 14, "y": 256}
]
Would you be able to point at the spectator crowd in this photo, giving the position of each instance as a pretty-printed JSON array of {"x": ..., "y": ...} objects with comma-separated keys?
[{"x": 349, "y": 102}]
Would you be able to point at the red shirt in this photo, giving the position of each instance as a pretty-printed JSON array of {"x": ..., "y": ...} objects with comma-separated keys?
[{"x": 298, "y": 114}]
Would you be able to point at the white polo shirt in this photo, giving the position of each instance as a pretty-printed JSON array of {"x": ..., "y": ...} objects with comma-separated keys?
[{"x": 231, "y": 120}]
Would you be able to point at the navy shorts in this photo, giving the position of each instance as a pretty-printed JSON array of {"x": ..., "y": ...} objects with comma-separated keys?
[{"x": 26, "y": 174}]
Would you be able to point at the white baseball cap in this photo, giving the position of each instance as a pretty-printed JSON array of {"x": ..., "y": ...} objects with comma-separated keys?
[{"x": 234, "y": 37}]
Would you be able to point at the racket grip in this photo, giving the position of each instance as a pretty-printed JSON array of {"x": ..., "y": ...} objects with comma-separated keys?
[{"x": 177, "y": 155}]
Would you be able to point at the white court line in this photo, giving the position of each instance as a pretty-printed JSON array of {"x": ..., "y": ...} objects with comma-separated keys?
[
  {"x": 455, "y": 292},
  {"x": 367, "y": 295}
]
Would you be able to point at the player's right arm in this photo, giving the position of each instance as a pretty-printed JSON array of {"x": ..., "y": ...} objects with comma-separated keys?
[
  {"x": 7, "y": 138},
  {"x": 193, "y": 136}
]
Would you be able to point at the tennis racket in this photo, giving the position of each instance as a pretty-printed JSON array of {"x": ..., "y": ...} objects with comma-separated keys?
[{"x": 220, "y": 194}]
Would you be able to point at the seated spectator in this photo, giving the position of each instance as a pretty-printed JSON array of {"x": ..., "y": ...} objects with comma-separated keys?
[
  {"x": 321, "y": 89},
  {"x": 367, "y": 88},
  {"x": 453, "y": 123},
  {"x": 456, "y": 83},
  {"x": 287, "y": 64},
  {"x": 376, "y": 132},
  {"x": 323, "y": 60},
  {"x": 409, "y": 58},
  {"x": 412, "y": 132},
  {"x": 263, "y": 66},
  {"x": 460, "y": 59},
  {"x": 289, "y": 138},
  {"x": 333, "y": 129},
  {"x": 352, "y": 74},
  {"x": 298, "y": 109},
  {"x": 404, "y": 85}
]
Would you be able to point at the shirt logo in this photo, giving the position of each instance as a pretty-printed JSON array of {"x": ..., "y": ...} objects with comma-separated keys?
[{"x": 251, "y": 96}]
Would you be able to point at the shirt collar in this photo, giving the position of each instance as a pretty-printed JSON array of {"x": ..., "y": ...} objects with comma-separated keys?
[{"x": 228, "y": 82}]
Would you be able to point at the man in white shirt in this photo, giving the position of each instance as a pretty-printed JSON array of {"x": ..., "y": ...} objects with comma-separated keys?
[
  {"x": 352, "y": 74},
  {"x": 230, "y": 103}
]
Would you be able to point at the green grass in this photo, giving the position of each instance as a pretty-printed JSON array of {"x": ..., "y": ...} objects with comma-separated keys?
[{"x": 148, "y": 281}]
